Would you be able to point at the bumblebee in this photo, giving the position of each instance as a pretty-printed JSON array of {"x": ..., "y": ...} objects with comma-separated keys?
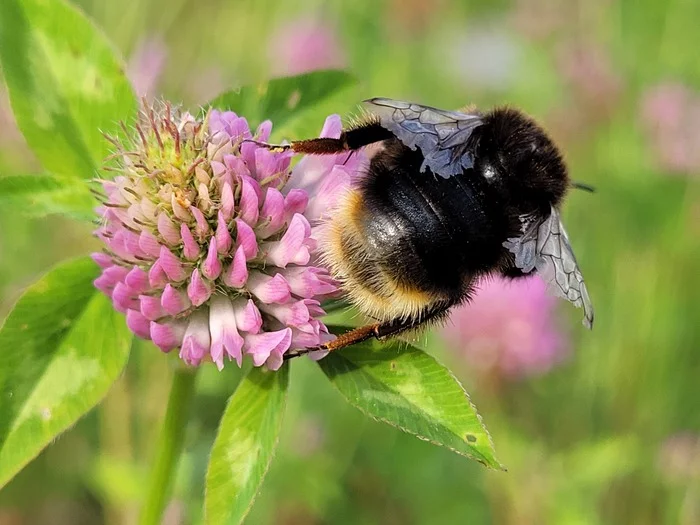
[{"x": 448, "y": 198}]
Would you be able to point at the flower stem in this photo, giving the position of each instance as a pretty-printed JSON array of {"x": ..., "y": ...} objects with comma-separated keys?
[{"x": 169, "y": 447}]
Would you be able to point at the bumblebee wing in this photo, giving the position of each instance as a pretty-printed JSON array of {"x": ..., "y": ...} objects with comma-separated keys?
[
  {"x": 441, "y": 135},
  {"x": 544, "y": 246}
]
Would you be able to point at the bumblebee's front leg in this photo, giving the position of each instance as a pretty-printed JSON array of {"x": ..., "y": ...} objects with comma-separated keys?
[{"x": 349, "y": 140}]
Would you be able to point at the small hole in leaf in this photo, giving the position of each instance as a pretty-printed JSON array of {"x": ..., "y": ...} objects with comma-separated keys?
[
  {"x": 294, "y": 99},
  {"x": 392, "y": 365},
  {"x": 471, "y": 438}
]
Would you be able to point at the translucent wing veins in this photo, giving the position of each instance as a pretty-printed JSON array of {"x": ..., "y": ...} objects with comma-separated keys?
[
  {"x": 440, "y": 134},
  {"x": 544, "y": 246}
]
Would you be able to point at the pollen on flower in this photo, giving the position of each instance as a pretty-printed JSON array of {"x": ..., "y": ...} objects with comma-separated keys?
[{"x": 210, "y": 240}]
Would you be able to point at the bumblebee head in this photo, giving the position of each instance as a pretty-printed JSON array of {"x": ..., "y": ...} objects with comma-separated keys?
[{"x": 527, "y": 162}]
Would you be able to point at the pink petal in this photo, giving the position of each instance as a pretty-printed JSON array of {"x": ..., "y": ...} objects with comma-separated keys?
[
  {"x": 290, "y": 314},
  {"x": 291, "y": 248},
  {"x": 260, "y": 346},
  {"x": 223, "y": 237},
  {"x": 157, "y": 276},
  {"x": 168, "y": 230},
  {"x": 137, "y": 279},
  {"x": 266, "y": 165},
  {"x": 295, "y": 202},
  {"x": 272, "y": 212},
  {"x": 171, "y": 265},
  {"x": 211, "y": 268},
  {"x": 174, "y": 301},
  {"x": 104, "y": 284},
  {"x": 196, "y": 341},
  {"x": 328, "y": 193},
  {"x": 151, "y": 307},
  {"x": 102, "y": 259},
  {"x": 190, "y": 249},
  {"x": 249, "y": 201},
  {"x": 262, "y": 134},
  {"x": 138, "y": 324},
  {"x": 308, "y": 282},
  {"x": 167, "y": 336},
  {"x": 224, "y": 336},
  {"x": 199, "y": 290},
  {"x": 237, "y": 165},
  {"x": 276, "y": 359},
  {"x": 124, "y": 298},
  {"x": 332, "y": 127},
  {"x": 236, "y": 273},
  {"x": 115, "y": 273},
  {"x": 248, "y": 318},
  {"x": 202, "y": 227},
  {"x": 149, "y": 244},
  {"x": 268, "y": 289},
  {"x": 227, "y": 202},
  {"x": 245, "y": 237},
  {"x": 248, "y": 155}
]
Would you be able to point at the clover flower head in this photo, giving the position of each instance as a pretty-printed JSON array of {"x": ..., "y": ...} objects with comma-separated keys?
[{"x": 210, "y": 239}]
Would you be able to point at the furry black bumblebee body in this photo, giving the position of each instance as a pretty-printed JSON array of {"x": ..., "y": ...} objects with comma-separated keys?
[{"x": 448, "y": 197}]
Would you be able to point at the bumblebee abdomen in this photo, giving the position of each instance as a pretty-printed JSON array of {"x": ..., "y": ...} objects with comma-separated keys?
[
  {"x": 407, "y": 240},
  {"x": 435, "y": 230}
]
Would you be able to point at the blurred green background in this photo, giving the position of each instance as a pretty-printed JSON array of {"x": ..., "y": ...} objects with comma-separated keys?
[{"x": 608, "y": 435}]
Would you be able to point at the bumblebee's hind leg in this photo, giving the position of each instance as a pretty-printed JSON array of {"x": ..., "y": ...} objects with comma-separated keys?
[
  {"x": 352, "y": 139},
  {"x": 378, "y": 331}
]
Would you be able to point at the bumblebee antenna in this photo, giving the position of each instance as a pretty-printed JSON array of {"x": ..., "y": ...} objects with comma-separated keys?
[{"x": 583, "y": 186}]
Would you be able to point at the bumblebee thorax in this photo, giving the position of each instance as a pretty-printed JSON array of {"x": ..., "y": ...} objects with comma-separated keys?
[{"x": 516, "y": 154}]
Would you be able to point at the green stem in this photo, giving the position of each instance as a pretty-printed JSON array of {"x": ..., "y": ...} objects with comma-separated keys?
[{"x": 169, "y": 447}]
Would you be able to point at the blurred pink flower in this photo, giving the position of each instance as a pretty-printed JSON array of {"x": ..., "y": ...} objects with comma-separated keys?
[
  {"x": 305, "y": 45},
  {"x": 146, "y": 65},
  {"x": 671, "y": 115},
  {"x": 679, "y": 457},
  {"x": 508, "y": 328},
  {"x": 211, "y": 240},
  {"x": 589, "y": 71}
]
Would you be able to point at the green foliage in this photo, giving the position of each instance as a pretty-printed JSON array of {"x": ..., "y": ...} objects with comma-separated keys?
[
  {"x": 46, "y": 194},
  {"x": 61, "y": 349},
  {"x": 403, "y": 386},
  {"x": 66, "y": 85},
  {"x": 245, "y": 444},
  {"x": 286, "y": 100}
]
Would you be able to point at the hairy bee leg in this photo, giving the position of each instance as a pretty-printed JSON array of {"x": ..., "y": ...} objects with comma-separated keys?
[
  {"x": 348, "y": 338},
  {"x": 349, "y": 140},
  {"x": 378, "y": 331}
]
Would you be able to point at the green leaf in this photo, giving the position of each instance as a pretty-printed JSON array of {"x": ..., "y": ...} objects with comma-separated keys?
[
  {"x": 61, "y": 348},
  {"x": 66, "y": 84},
  {"x": 403, "y": 386},
  {"x": 245, "y": 444},
  {"x": 283, "y": 100},
  {"x": 46, "y": 194}
]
